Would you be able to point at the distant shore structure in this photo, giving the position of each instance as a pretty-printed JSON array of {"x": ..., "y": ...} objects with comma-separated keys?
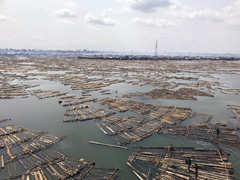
[{"x": 156, "y": 49}]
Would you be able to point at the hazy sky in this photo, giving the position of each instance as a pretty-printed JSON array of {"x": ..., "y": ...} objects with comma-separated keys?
[{"x": 122, "y": 25}]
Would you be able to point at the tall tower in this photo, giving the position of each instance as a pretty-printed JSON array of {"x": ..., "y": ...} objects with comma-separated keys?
[{"x": 156, "y": 48}]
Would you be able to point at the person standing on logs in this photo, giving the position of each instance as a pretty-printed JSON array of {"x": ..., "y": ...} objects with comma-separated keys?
[
  {"x": 196, "y": 171},
  {"x": 217, "y": 131},
  {"x": 188, "y": 162},
  {"x": 170, "y": 148}
]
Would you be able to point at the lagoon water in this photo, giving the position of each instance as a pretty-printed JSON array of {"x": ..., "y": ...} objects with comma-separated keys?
[{"x": 47, "y": 115}]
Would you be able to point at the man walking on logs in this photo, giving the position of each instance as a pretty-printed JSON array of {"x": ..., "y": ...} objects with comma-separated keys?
[
  {"x": 188, "y": 162},
  {"x": 218, "y": 132},
  {"x": 196, "y": 171},
  {"x": 170, "y": 148}
]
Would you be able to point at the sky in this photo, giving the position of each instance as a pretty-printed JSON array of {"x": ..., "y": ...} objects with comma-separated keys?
[{"x": 199, "y": 26}]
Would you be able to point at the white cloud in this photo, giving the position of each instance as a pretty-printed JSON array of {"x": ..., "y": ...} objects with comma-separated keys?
[
  {"x": 233, "y": 13},
  {"x": 100, "y": 19},
  {"x": 4, "y": 18},
  {"x": 153, "y": 22},
  {"x": 148, "y": 6},
  {"x": 66, "y": 13},
  {"x": 209, "y": 14},
  {"x": 70, "y": 4}
]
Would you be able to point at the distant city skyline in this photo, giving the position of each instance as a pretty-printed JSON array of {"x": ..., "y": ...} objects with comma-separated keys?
[{"x": 198, "y": 26}]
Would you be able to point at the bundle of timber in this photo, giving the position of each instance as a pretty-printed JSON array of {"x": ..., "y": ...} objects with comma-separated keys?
[
  {"x": 213, "y": 133},
  {"x": 176, "y": 116},
  {"x": 8, "y": 91},
  {"x": 234, "y": 109},
  {"x": 122, "y": 105},
  {"x": 139, "y": 133},
  {"x": 42, "y": 94},
  {"x": 125, "y": 130},
  {"x": 25, "y": 154},
  {"x": 9, "y": 129},
  {"x": 84, "y": 112},
  {"x": 88, "y": 85},
  {"x": 117, "y": 124},
  {"x": 151, "y": 82},
  {"x": 235, "y": 91},
  {"x": 163, "y": 164},
  {"x": 51, "y": 164},
  {"x": 67, "y": 100},
  {"x": 182, "y": 93},
  {"x": 170, "y": 115},
  {"x": 21, "y": 149}
]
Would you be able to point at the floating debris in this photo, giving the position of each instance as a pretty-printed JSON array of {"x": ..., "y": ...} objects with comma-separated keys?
[
  {"x": 205, "y": 132},
  {"x": 171, "y": 165}
]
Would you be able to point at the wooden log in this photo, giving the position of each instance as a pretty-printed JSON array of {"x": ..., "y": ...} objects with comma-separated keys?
[
  {"x": 136, "y": 170},
  {"x": 110, "y": 145},
  {"x": 138, "y": 175},
  {"x": 149, "y": 173},
  {"x": 113, "y": 174},
  {"x": 2, "y": 160}
]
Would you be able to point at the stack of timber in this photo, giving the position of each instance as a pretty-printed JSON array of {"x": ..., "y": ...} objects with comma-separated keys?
[
  {"x": 234, "y": 109},
  {"x": 125, "y": 130},
  {"x": 182, "y": 93},
  {"x": 171, "y": 115},
  {"x": 51, "y": 164},
  {"x": 9, "y": 129},
  {"x": 234, "y": 119},
  {"x": 26, "y": 154},
  {"x": 42, "y": 94},
  {"x": 205, "y": 132},
  {"x": 84, "y": 112},
  {"x": 88, "y": 85},
  {"x": 176, "y": 116},
  {"x": 67, "y": 100},
  {"x": 235, "y": 91},
  {"x": 8, "y": 91},
  {"x": 164, "y": 165}
]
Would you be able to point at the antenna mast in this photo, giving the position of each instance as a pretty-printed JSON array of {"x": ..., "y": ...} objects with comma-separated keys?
[{"x": 156, "y": 48}]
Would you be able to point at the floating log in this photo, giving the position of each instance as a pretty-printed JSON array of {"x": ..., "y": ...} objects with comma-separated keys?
[{"x": 110, "y": 145}]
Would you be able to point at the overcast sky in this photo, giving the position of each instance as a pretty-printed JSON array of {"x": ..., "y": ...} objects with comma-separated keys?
[{"x": 122, "y": 25}]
